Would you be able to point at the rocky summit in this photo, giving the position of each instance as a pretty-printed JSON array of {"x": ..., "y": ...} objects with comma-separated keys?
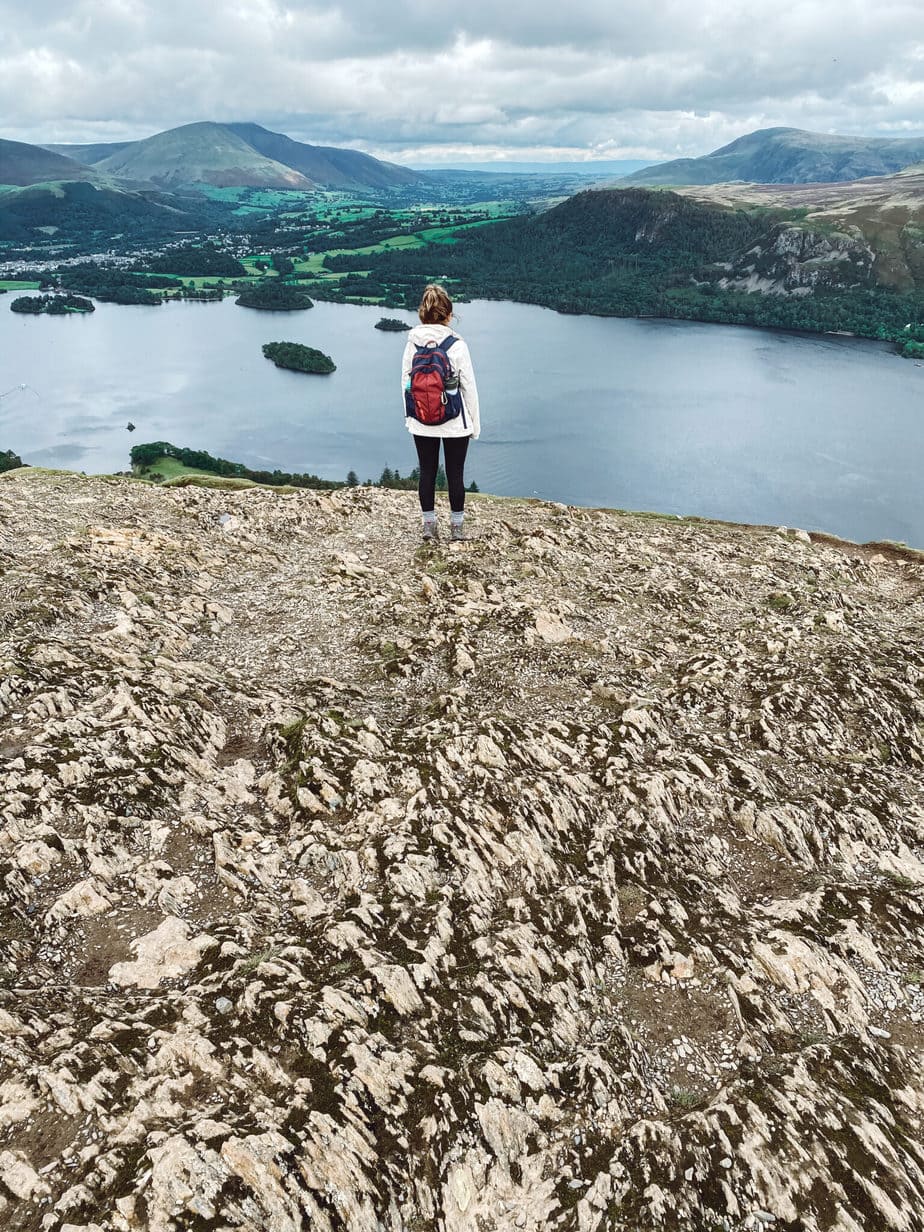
[{"x": 568, "y": 877}]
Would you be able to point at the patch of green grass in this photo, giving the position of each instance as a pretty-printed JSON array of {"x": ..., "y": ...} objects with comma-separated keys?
[
  {"x": 447, "y": 235},
  {"x": 11, "y": 284},
  {"x": 171, "y": 468},
  {"x": 207, "y": 280},
  {"x": 258, "y": 198}
]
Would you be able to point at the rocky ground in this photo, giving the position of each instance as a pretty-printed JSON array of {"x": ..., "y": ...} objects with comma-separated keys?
[{"x": 566, "y": 878}]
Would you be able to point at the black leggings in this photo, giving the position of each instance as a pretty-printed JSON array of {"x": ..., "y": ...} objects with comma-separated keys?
[{"x": 428, "y": 454}]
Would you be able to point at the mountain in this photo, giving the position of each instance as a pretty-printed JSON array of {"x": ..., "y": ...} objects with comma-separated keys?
[
  {"x": 788, "y": 156},
  {"x": 201, "y": 153},
  {"x": 239, "y": 155},
  {"x": 327, "y": 166},
  {"x": 569, "y": 878},
  {"x": 22, "y": 164}
]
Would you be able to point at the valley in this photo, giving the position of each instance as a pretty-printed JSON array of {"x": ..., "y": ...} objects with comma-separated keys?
[{"x": 216, "y": 209}]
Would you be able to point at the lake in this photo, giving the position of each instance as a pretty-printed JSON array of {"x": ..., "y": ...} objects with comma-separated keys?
[{"x": 820, "y": 432}]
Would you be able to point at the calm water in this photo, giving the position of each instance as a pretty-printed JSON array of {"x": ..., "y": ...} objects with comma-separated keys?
[{"x": 823, "y": 433}]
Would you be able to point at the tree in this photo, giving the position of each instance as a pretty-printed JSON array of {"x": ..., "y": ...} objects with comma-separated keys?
[{"x": 352, "y": 480}]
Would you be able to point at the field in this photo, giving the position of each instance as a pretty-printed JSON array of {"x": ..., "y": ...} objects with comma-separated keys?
[
  {"x": 171, "y": 468},
  {"x": 13, "y": 285}
]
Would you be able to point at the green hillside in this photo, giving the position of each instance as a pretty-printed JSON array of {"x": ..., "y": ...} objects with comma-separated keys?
[
  {"x": 200, "y": 153},
  {"x": 22, "y": 165},
  {"x": 325, "y": 165}
]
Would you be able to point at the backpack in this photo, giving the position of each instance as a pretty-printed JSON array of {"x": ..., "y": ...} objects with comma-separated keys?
[{"x": 432, "y": 396}]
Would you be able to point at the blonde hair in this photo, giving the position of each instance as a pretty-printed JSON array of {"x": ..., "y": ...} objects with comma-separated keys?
[{"x": 435, "y": 305}]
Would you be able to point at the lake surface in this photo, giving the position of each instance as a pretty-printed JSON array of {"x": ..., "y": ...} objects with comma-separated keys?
[{"x": 825, "y": 433}]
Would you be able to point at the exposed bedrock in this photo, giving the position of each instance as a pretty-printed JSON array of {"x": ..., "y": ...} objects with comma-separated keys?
[{"x": 565, "y": 878}]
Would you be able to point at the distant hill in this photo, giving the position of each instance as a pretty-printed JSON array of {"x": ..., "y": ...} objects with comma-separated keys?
[
  {"x": 22, "y": 164},
  {"x": 787, "y": 156},
  {"x": 591, "y": 168},
  {"x": 200, "y": 154},
  {"x": 239, "y": 155},
  {"x": 327, "y": 166}
]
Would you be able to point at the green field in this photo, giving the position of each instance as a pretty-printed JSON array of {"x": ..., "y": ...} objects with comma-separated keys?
[
  {"x": 13, "y": 285},
  {"x": 171, "y": 468},
  {"x": 447, "y": 235},
  {"x": 250, "y": 264},
  {"x": 417, "y": 239}
]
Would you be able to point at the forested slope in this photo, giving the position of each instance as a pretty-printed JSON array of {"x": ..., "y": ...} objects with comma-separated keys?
[{"x": 636, "y": 252}]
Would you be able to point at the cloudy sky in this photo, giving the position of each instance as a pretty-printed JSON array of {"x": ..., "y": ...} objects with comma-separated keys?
[{"x": 422, "y": 82}]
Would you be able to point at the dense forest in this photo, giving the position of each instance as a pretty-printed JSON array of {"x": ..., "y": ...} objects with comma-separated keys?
[
  {"x": 51, "y": 305},
  {"x": 113, "y": 286},
  {"x": 275, "y": 296},
  {"x": 195, "y": 261}
]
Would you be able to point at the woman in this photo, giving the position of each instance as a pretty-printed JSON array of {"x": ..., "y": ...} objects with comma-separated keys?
[{"x": 452, "y": 419}]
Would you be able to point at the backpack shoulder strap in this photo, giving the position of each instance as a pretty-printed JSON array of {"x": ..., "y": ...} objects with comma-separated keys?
[{"x": 447, "y": 342}]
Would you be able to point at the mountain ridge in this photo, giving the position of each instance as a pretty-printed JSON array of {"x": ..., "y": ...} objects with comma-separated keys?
[
  {"x": 787, "y": 155},
  {"x": 239, "y": 155}
]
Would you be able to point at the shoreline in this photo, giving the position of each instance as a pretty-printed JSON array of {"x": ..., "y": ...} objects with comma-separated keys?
[{"x": 892, "y": 548}]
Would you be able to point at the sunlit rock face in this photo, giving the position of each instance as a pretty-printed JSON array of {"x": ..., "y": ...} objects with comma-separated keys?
[{"x": 568, "y": 877}]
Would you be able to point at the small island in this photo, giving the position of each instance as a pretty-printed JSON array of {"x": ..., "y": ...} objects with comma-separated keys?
[
  {"x": 392, "y": 325},
  {"x": 52, "y": 305},
  {"x": 274, "y": 296},
  {"x": 299, "y": 358}
]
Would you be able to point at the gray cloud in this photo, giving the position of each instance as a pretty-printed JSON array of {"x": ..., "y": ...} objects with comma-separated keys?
[{"x": 409, "y": 81}]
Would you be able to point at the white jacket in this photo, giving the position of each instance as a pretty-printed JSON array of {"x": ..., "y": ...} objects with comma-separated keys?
[{"x": 461, "y": 362}]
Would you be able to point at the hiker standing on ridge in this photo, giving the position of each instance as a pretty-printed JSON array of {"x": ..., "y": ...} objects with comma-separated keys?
[{"x": 440, "y": 404}]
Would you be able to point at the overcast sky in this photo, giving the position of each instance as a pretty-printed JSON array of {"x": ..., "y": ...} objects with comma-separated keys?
[{"x": 422, "y": 82}]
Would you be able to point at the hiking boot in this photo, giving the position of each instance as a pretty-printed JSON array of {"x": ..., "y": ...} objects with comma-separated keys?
[
  {"x": 456, "y": 534},
  {"x": 431, "y": 532}
]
